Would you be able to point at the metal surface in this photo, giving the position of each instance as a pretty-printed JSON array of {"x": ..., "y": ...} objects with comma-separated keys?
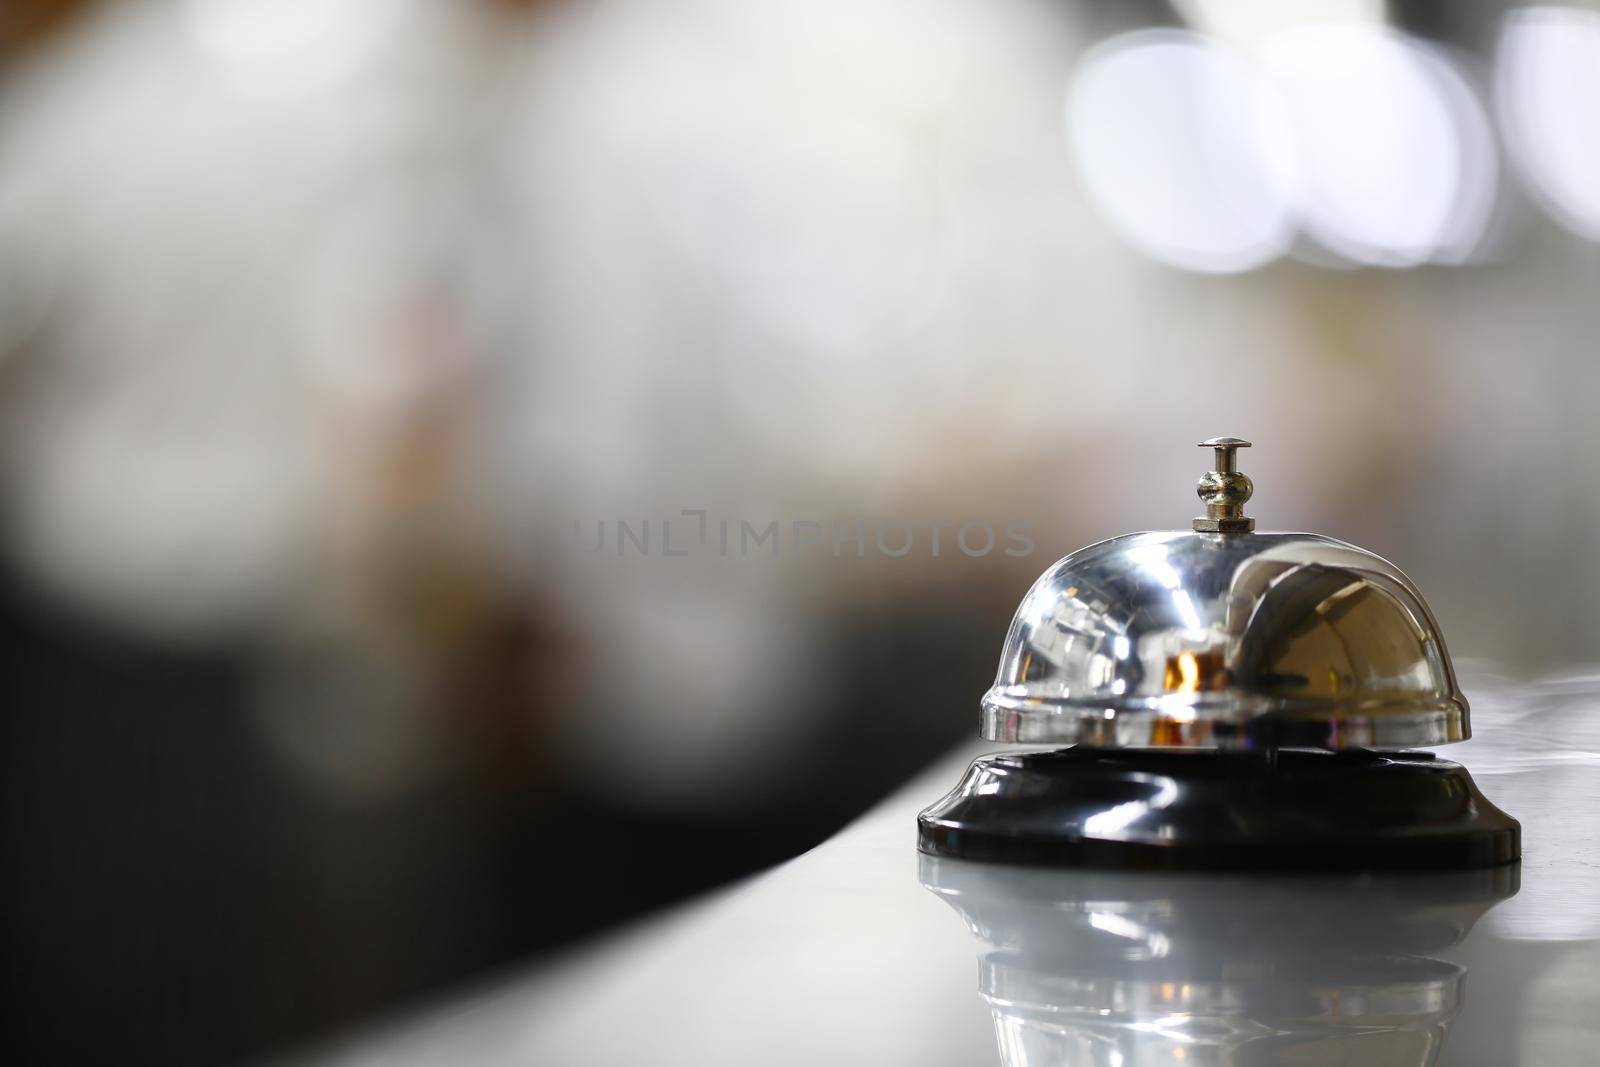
[
  {"x": 1294, "y": 809},
  {"x": 1229, "y": 641},
  {"x": 1224, "y": 490},
  {"x": 844, "y": 957}
]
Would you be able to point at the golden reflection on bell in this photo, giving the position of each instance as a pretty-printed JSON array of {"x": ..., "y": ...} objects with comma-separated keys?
[{"x": 1279, "y": 671}]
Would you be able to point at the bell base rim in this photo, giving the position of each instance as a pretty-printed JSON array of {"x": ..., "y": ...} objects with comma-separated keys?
[{"x": 1163, "y": 809}]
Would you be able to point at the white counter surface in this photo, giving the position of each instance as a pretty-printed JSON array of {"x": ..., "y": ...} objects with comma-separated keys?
[{"x": 846, "y": 956}]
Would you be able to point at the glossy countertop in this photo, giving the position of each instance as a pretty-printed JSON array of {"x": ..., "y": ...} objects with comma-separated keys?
[{"x": 865, "y": 951}]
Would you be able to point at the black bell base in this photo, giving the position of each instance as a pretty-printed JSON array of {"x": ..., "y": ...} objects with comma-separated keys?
[{"x": 1162, "y": 809}]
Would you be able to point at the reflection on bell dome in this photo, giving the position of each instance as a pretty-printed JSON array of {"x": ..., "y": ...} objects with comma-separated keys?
[{"x": 1179, "y": 638}]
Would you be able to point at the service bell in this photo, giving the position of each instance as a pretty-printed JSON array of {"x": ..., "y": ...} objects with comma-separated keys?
[{"x": 1232, "y": 699}]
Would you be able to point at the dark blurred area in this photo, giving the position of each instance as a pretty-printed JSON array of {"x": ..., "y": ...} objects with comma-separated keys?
[{"x": 471, "y": 473}]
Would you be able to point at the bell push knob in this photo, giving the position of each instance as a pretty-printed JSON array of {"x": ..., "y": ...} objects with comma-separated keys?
[{"x": 1224, "y": 490}]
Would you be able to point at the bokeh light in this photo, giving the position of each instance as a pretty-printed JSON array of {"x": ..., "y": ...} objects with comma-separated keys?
[
  {"x": 1547, "y": 84},
  {"x": 1175, "y": 141},
  {"x": 1371, "y": 144}
]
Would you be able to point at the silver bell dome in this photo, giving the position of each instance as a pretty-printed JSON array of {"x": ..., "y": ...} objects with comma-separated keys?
[{"x": 1225, "y": 638}]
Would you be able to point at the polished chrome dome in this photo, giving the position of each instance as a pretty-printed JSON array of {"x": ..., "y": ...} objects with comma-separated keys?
[{"x": 1231, "y": 640}]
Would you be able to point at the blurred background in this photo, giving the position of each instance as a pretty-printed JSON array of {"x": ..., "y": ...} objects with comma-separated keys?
[{"x": 397, "y": 398}]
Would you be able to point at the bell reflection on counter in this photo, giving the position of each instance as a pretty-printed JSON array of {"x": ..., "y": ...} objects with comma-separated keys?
[
  {"x": 1234, "y": 700},
  {"x": 1120, "y": 969}
]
